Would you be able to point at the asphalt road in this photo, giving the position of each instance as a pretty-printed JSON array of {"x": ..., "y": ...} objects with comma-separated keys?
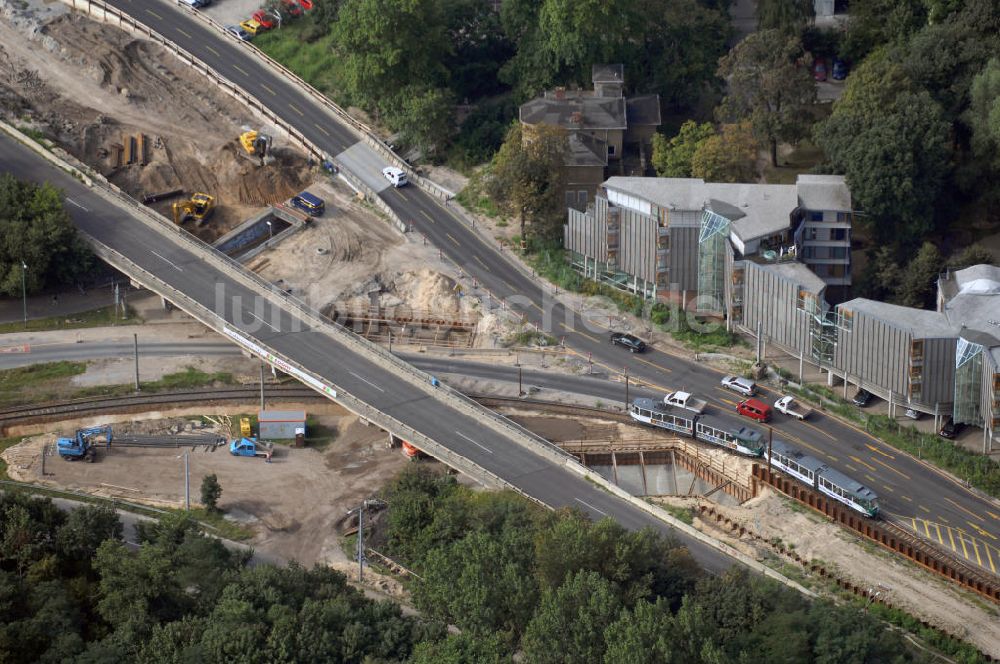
[{"x": 159, "y": 254}]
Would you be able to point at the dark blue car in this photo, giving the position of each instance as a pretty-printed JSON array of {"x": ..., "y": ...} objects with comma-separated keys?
[{"x": 839, "y": 70}]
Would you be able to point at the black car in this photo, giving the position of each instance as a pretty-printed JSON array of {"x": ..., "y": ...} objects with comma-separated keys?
[
  {"x": 863, "y": 398},
  {"x": 633, "y": 343},
  {"x": 951, "y": 429}
]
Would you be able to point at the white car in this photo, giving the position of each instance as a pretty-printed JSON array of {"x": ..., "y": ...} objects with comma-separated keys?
[
  {"x": 744, "y": 386},
  {"x": 396, "y": 176}
]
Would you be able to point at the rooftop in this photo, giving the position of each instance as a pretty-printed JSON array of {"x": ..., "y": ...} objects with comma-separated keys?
[
  {"x": 920, "y": 323},
  {"x": 797, "y": 273},
  {"x": 972, "y": 301},
  {"x": 607, "y": 74},
  {"x": 585, "y": 150},
  {"x": 823, "y": 192},
  {"x": 576, "y": 111}
]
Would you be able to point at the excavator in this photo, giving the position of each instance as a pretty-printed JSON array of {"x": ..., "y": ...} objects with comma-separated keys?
[
  {"x": 255, "y": 144},
  {"x": 199, "y": 207}
]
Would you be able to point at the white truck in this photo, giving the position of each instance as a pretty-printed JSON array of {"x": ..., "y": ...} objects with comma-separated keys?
[
  {"x": 792, "y": 408},
  {"x": 685, "y": 400}
]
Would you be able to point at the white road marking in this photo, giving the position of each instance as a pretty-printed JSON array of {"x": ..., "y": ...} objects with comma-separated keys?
[
  {"x": 168, "y": 261},
  {"x": 365, "y": 380},
  {"x": 71, "y": 201},
  {"x": 586, "y": 504},
  {"x": 485, "y": 449},
  {"x": 262, "y": 320}
]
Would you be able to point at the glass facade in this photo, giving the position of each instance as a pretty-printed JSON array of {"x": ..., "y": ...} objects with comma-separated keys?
[
  {"x": 712, "y": 240},
  {"x": 608, "y": 273},
  {"x": 968, "y": 382}
]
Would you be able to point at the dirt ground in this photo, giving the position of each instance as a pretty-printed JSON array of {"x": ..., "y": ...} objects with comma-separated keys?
[
  {"x": 94, "y": 87},
  {"x": 293, "y": 504}
]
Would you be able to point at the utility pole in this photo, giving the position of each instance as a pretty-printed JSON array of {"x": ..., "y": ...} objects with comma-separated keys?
[
  {"x": 390, "y": 340},
  {"x": 361, "y": 542},
  {"x": 626, "y": 388},
  {"x": 770, "y": 438},
  {"x": 187, "y": 483},
  {"x": 262, "y": 384},
  {"x": 135, "y": 340},
  {"x": 520, "y": 391},
  {"x": 24, "y": 291}
]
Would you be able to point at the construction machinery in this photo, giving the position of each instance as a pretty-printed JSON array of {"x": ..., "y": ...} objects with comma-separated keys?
[
  {"x": 199, "y": 207},
  {"x": 255, "y": 144},
  {"x": 245, "y": 430},
  {"x": 251, "y": 447},
  {"x": 81, "y": 446}
]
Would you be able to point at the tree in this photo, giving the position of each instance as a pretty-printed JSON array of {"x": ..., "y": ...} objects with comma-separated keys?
[
  {"x": 211, "y": 491},
  {"x": 972, "y": 255},
  {"x": 569, "y": 623},
  {"x": 426, "y": 119},
  {"x": 526, "y": 178},
  {"x": 383, "y": 46},
  {"x": 876, "y": 23},
  {"x": 39, "y": 233},
  {"x": 479, "y": 48},
  {"x": 891, "y": 142},
  {"x": 729, "y": 156},
  {"x": 672, "y": 159},
  {"x": 788, "y": 16},
  {"x": 769, "y": 87},
  {"x": 460, "y": 649},
  {"x": 642, "y": 636},
  {"x": 983, "y": 115},
  {"x": 920, "y": 277}
]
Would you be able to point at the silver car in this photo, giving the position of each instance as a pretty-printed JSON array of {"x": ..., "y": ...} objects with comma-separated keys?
[{"x": 744, "y": 386}]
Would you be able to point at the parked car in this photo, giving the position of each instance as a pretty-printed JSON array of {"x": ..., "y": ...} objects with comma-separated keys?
[
  {"x": 744, "y": 386},
  {"x": 252, "y": 27},
  {"x": 311, "y": 204},
  {"x": 196, "y": 4},
  {"x": 265, "y": 18},
  {"x": 839, "y": 70},
  {"x": 755, "y": 410},
  {"x": 912, "y": 414},
  {"x": 863, "y": 398},
  {"x": 951, "y": 428},
  {"x": 238, "y": 32},
  {"x": 293, "y": 8},
  {"x": 819, "y": 69},
  {"x": 397, "y": 176},
  {"x": 632, "y": 342}
]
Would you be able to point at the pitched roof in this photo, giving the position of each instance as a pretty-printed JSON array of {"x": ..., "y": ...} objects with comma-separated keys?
[
  {"x": 576, "y": 112},
  {"x": 585, "y": 150},
  {"x": 607, "y": 73},
  {"x": 643, "y": 110},
  {"x": 920, "y": 323},
  {"x": 823, "y": 192}
]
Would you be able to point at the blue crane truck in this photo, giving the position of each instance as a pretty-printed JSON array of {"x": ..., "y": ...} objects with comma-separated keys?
[{"x": 81, "y": 446}]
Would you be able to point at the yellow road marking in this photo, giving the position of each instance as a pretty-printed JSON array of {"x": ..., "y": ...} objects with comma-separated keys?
[
  {"x": 888, "y": 488},
  {"x": 944, "y": 519},
  {"x": 866, "y": 465},
  {"x": 479, "y": 260},
  {"x": 870, "y": 479},
  {"x": 241, "y": 70},
  {"x": 796, "y": 439},
  {"x": 213, "y": 51},
  {"x": 296, "y": 109},
  {"x": 924, "y": 508},
  {"x": 982, "y": 532},
  {"x": 878, "y": 451},
  {"x": 532, "y": 304},
  {"x": 914, "y": 523},
  {"x": 816, "y": 428},
  {"x": 907, "y": 499},
  {"x": 938, "y": 529},
  {"x": 951, "y": 539},
  {"x": 268, "y": 88},
  {"x": 976, "y": 549},
  {"x": 993, "y": 515},
  {"x": 898, "y": 472},
  {"x": 589, "y": 336},
  {"x": 989, "y": 557},
  {"x": 833, "y": 457},
  {"x": 154, "y": 14},
  {"x": 926, "y": 529},
  {"x": 321, "y": 129},
  {"x": 184, "y": 33},
  {"x": 429, "y": 217},
  {"x": 965, "y": 551},
  {"x": 652, "y": 364},
  {"x": 456, "y": 243},
  {"x": 973, "y": 514}
]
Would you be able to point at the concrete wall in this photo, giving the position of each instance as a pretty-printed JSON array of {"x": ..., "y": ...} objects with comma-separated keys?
[
  {"x": 587, "y": 234},
  {"x": 875, "y": 354},
  {"x": 772, "y": 301},
  {"x": 638, "y": 244},
  {"x": 684, "y": 228},
  {"x": 939, "y": 371}
]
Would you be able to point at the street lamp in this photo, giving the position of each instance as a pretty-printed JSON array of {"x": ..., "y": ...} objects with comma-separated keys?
[
  {"x": 270, "y": 231},
  {"x": 24, "y": 291}
]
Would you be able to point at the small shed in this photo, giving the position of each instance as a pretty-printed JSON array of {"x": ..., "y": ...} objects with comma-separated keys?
[{"x": 280, "y": 424}]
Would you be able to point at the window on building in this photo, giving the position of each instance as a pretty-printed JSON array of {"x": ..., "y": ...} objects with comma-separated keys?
[
  {"x": 835, "y": 270},
  {"x": 810, "y": 233},
  {"x": 843, "y": 217},
  {"x": 838, "y": 252},
  {"x": 815, "y": 216},
  {"x": 611, "y": 150},
  {"x": 570, "y": 199},
  {"x": 839, "y": 234},
  {"x": 581, "y": 198}
]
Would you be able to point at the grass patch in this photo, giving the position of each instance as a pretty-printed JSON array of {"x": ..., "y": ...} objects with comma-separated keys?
[
  {"x": 312, "y": 60},
  {"x": 102, "y": 317},
  {"x": 30, "y": 376},
  {"x": 4, "y": 444},
  {"x": 529, "y": 338},
  {"x": 187, "y": 379},
  {"x": 33, "y": 134},
  {"x": 220, "y": 525},
  {"x": 800, "y": 160},
  {"x": 685, "y": 514},
  {"x": 961, "y": 651},
  {"x": 473, "y": 198}
]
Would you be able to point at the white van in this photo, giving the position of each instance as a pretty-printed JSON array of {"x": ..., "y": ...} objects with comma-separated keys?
[
  {"x": 196, "y": 4},
  {"x": 396, "y": 176}
]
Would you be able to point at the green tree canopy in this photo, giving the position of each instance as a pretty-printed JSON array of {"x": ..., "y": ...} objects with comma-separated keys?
[
  {"x": 788, "y": 16},
  {"x": 729, "y": 156},
  {"x": 39, "y": 233},
  {"x": 983, "y": 114},
  {"x": 526, "y": 178},
  {"x": 891, "y": 142},
  {"x": 211, "y": 491},
  {"x": 672, "y": 157},
  {"x": 769, "y": 86}
]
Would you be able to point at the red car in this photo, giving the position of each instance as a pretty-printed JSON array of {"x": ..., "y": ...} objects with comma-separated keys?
[
  {"x": 755, "y": 410},
  {"x": 292, "y": 7},
  {"x": 306, "y": 4},
  {"x": 819, "y": 69},
  {"x": 265, "y": 19}
]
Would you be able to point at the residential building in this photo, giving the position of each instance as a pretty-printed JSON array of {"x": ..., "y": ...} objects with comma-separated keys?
[{"x": 607, "y": 130}]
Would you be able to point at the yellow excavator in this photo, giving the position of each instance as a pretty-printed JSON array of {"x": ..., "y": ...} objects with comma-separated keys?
[
  {"x": 255, "y": 144},
  {"x": 199, "y": 207}
]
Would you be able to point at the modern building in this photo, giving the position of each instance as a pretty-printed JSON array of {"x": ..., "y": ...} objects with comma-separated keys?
[{"x": 608, "y": 132}]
